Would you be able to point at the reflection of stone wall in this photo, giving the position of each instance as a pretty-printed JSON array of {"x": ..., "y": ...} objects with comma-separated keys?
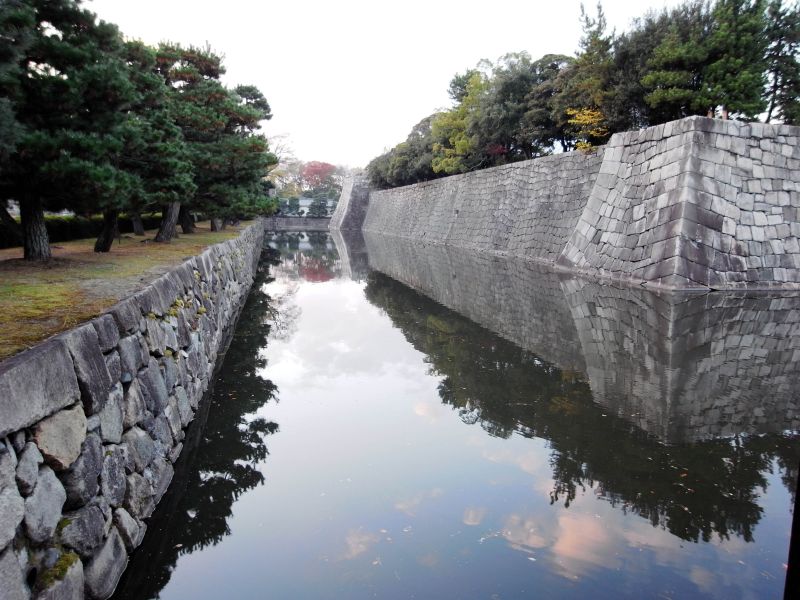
[
  {"x": 92, "y": 420},
  {"x": 297, "y": 223},
  {"x": 683, "y": 367},
  {"x": 691, "y": 367},
  {"x": 352, "y": 253},
  {"x": 695, "y": 203},
  {"x": 514, "y": 298}
]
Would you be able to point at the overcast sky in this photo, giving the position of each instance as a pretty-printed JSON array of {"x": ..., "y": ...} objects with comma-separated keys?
[{"x": 347, "y": 79}]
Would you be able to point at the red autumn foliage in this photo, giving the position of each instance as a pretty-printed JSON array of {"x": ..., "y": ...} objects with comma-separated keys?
[{"x": 316, "y": 173}]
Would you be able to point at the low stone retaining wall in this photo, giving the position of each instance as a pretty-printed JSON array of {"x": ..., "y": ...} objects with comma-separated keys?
[
  {"x": 92, "y": 420},
  {"x": 297, "y": 223}
]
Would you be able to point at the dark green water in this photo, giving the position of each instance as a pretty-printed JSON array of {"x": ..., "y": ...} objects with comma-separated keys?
[{"x": 363, "y": 440}]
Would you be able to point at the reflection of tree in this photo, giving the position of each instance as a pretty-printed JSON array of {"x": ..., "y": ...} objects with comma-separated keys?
[
  {"x": 284, "y": 312},
  {"x": 310, "y": 256},
  {"x": 220, "y": 459},
  {"x": 692, "y": 490}
]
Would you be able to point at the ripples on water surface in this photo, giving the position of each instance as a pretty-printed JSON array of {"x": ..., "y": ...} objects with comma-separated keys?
[{"x": 501, "y": 433}]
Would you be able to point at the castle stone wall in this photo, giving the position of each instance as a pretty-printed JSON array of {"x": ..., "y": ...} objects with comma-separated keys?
[{"x": 692, "y": 204}]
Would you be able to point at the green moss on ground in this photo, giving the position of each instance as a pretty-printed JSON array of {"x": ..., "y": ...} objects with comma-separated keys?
[{"x": 38, "y": 300}]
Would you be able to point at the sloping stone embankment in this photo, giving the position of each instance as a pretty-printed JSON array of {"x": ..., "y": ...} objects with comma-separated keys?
[
  {"x": 92, "y": 420},
  {"x": 693, "y": 204}
]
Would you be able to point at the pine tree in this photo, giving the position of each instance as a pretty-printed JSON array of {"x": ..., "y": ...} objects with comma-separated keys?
[
  {"x": 153, "y": 152},
  {"x": 17, "y": 20},
  {"x": 783, "y": 67},
  {"x": 734, "y": 77},
  {"x": 72, "y": 92},
  {"x": 585, "y": 85},
  {"x": 676, "y": 75},
  {"x": 219, "y": 127}
]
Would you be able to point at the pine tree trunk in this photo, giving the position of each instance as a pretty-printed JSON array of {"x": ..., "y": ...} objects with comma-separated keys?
[
  {"x": 773, "y": 99},
  {"x": 138, "y": 226},
  {"x": 36, "y": 242},
  {"x": 9, "y": 226},
  {"x": 110, "y": 230},
  {"x": 217, "y": 224},
  {"x": 186, "y": 220},
  {"x": 168, "y": 222}
]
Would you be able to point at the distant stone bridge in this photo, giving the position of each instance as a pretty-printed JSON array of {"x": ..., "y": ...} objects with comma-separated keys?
[{"x": 297, "y": 223}]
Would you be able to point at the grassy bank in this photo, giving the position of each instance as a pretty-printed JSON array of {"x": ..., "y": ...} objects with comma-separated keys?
[{"x": 39, "y": 300}]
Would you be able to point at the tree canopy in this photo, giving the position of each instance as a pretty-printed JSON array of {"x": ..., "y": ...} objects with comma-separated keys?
[
  {"x": 725, "y": 58},
  {"x": 92, "y": 122}
]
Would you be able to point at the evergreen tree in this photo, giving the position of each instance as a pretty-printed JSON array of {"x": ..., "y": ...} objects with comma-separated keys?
[
  {"x": 734, "y": 75},
  {"x": 585, "y": 85},
  {"x": 408, "y": 162},
  {"x": 675, "y": 79},
  {"x": 153, "y": 152},
  {"x": 503, "y": 104},
  {"x": 538, "y": 124},
  {"x": 72, "y": 93},
  {"x": 658, "y": 67},
  {"x": 318, "y": 208},
  {"x": 219, "y": 127},
  {"x": 783, "y": 67},
  {"x": 17, "y": 20}
]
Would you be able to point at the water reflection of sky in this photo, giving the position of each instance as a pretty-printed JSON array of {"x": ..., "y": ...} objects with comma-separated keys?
[{"x": 376, "y": 488}]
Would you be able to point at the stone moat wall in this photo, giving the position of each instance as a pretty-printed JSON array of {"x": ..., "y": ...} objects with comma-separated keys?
[
  {"x": 92, "y": 420},
  {"x": 696, "y": 203}
]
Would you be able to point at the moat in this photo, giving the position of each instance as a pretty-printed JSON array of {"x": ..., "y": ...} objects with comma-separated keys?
[{"x": 494, "y": 431}]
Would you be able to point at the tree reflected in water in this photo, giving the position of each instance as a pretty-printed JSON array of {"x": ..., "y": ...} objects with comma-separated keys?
[
  {"x": 222, "y": 450},
  {"x": 693, "y": 490}
]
